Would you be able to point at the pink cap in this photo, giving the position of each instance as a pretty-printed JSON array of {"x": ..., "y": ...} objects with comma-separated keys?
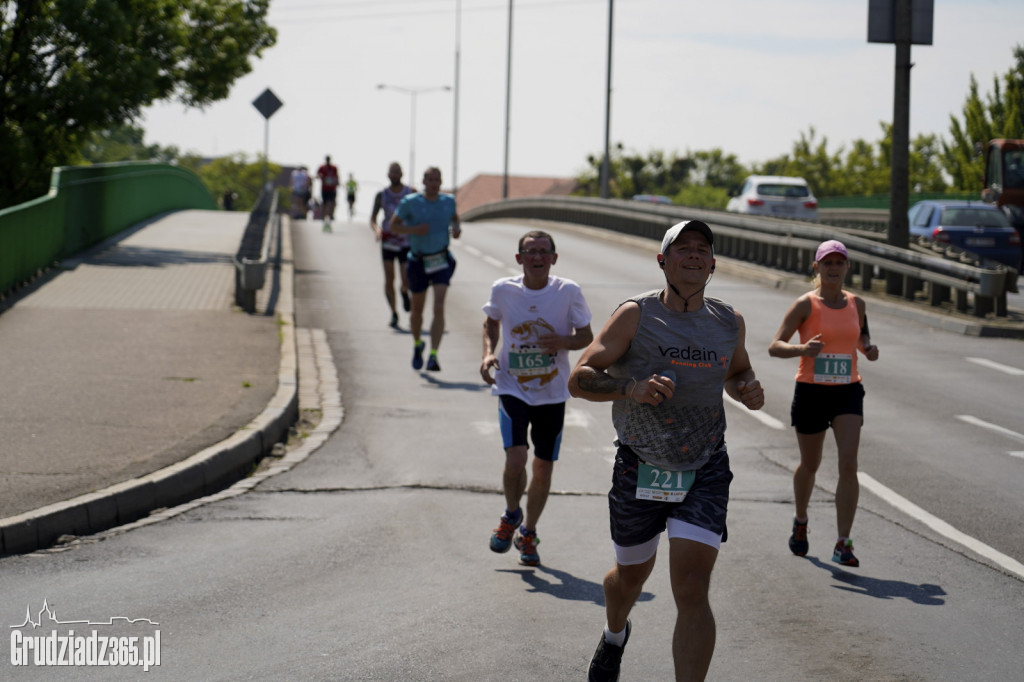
[{"x": 831, "y": 246}]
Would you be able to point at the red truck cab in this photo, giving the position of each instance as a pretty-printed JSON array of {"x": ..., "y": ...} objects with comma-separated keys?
[
  {"x": 1004, "y": 181},
  {"x": 1004, "y": 173}
]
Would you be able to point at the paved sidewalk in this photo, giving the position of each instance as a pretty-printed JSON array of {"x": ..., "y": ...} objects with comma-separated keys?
[{"x": 131, "y": 382}]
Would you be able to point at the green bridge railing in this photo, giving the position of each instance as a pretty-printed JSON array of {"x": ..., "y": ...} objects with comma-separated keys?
[{"x": 85, "y": 205}]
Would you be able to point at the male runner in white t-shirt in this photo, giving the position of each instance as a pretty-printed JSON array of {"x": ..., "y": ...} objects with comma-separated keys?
[{"x": 540, "y": 318}]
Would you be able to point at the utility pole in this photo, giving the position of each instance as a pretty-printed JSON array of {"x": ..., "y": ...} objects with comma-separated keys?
[
  {"x": 901, "y": 22},
  {"x": 900, "y": 179},
  {"x": 455, "y": 103},
  {"x": 606, "y": 166},
  {"x": 508, "y": 101}
]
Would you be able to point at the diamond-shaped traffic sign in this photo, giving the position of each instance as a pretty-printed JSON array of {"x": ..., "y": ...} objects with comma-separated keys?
[{"x": 267, "y": 103}]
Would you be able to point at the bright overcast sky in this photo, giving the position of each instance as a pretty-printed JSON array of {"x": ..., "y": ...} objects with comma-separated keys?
[{"x": 746, "y": 76}]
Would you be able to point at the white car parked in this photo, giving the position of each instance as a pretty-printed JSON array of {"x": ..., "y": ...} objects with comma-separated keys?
[{"x": 776, "y": 196}]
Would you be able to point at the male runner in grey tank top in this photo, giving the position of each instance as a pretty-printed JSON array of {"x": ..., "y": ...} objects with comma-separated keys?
[{"x": 665, "y": 358}]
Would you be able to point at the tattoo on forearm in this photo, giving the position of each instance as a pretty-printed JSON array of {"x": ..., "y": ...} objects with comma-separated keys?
[{"x": 599, "y": 382}]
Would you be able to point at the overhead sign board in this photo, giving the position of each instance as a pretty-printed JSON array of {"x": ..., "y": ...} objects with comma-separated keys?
[{"x": 882, "y": 21}]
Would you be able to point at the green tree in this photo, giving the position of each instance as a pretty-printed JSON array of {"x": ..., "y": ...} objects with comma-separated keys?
[
  {"x": 1000, "y": 114},
  {"x": 925, "y": 165},
  {"x": 123, "y": 143},
  {"x": 233, "y": 173},
  {"x": 810, "y": 160},
  {"x": 715, "y": 168},
  {"x": 69, "y": 68},
  {"x": 865, "y": 171},
  {"x": 702, "y": 196},
  {"x": 658, "y": 173}
]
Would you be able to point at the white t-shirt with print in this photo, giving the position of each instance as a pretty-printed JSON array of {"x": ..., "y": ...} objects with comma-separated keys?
[{"x": 526, "y": 314}]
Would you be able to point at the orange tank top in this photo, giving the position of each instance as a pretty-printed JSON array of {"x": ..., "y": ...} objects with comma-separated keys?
[{"x": 840, "y": 330}]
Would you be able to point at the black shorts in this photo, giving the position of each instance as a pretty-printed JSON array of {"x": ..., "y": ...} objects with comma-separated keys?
[
  {"x": 401, "y": 256},
  {"x": 816, "y": 405},
  {"x": 328, "y": 195},
  {"x": 514, "y": 415},
  {"x": 634, "y": 522}
]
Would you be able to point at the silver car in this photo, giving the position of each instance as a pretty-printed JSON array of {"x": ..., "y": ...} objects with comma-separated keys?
[{"x": 776, "y": 196}]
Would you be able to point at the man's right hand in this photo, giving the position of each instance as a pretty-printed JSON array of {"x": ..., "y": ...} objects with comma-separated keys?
[{"x": 485, "y": 368}]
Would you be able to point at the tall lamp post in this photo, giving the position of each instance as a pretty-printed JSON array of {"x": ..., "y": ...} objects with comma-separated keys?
[
  {"x": 413, "y": 93},
  {"x": 606, "y": 167}
]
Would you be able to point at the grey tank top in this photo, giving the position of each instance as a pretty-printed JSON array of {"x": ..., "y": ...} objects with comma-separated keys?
[{"x": 682, "y": 433}]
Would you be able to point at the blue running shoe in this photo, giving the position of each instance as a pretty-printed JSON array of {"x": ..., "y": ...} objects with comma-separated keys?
[
  {"x": 432, "y": 365},
  {"x": 417, "y": 355},
  {"x": 526, "y": 542},
  {"x": 501, "y": 538}
]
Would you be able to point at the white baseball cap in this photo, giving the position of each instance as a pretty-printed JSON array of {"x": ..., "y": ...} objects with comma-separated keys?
[{"x": 673, "y": 233}]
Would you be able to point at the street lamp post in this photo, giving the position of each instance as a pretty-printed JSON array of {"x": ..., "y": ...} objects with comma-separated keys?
[{"x": 412, "y": 92}]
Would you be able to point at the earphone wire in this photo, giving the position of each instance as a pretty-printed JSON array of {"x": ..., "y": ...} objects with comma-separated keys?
[{"x": 686, "y": 299}]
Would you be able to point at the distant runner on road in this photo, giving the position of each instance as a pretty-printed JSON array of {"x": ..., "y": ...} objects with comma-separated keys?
[
  {"x": 427, "y": 218},
  {"x": 394, "y": 248}
]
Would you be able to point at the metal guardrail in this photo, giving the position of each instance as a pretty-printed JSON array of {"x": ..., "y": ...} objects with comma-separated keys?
[
  {"x": 786, "y": 245},
  {"x": 254, "y": 251}
]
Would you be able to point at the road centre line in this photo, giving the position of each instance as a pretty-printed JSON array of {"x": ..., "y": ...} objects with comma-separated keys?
[
  {"x": 1006, "y": 369},
  {"x": 1005, "y": 562},
  {"x": 990, "y": 426}
]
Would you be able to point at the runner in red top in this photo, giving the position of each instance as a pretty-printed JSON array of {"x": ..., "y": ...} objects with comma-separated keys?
[{"x": 328, "y": 174}]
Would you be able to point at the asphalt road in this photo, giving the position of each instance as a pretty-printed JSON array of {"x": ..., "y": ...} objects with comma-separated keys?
[{"x": 367, "y": 560}]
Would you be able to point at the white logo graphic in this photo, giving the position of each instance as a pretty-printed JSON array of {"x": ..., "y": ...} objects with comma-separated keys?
[{"x": 92, "y": 649}]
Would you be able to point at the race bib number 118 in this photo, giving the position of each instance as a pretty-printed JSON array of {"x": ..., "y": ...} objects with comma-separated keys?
[{"x": 833, "y": 368}]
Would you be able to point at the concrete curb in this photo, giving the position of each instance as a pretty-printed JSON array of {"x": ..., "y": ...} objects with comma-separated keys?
[{"x": 204, "y": 473}]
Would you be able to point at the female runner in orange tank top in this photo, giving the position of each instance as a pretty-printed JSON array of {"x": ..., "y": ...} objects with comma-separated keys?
[{"x": 833, "y": 326}]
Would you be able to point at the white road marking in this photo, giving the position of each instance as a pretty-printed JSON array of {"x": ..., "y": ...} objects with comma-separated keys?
[
  {"x": 487, "y": 428},
  {"x": 490, "y": 260},
  {"x": 759, "y": 415},
  {"x": 1006, "y": 369},
  {"x": 1007, "y": 563},
  {"x": 990, "y": 426}
]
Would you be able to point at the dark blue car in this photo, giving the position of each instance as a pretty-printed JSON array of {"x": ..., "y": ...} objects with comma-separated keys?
[{"x": 979, "y": 228}]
